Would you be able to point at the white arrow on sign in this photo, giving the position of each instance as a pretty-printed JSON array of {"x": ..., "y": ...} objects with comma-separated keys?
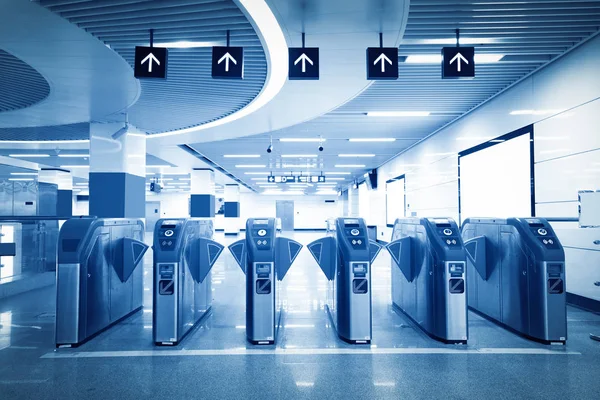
[
  {"x": 458, "y": 58},
  {"x": 383, "y": 58},
  {"x": 304, "y": 58},
  {"x": 227, "y": 57},
  {"x": 150, "y": 57}
]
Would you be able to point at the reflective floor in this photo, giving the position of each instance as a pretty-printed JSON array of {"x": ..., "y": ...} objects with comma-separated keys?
[{"x": 308, "y": 361}]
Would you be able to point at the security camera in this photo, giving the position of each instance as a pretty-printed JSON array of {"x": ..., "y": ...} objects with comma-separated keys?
[
  {"x": 320, "y": 148},
  {"x": 270, "y": 148}
]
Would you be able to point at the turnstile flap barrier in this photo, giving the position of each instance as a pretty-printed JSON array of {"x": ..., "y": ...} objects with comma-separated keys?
[
  {"x": 208, "y": 252},
  {"x": 238, "y": 250},
  {"x": 324, "y": 251},
  {"x": 401, "y": 250},
  {"x": 128, "y": 253},
  {"x": 374, "y": 249},
  {"x": 286, "y": 252},
  {"x": 477, "y": 249}
]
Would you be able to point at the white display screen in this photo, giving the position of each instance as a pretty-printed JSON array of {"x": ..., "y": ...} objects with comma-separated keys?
[
  {"x": 496, "y": 181},
  {"x": 395, "y": 200}
]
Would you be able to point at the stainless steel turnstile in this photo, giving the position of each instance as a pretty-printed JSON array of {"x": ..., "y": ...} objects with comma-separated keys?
[
  {"x": 184, "y": 254},
  {"x": 265, "y": 258},
  {"x": 516, "y": 272},
  {"x": 98, "y": 281},
  {"x": 428, "y": 276},
  {"x": 345, "y": 256}
]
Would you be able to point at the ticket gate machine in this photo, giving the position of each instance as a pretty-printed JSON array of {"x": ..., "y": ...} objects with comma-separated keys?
[
  {"x": 516, "y": 271},
  {"x": 184, "y": 254},
  {"x": 98, "y": 278},
  {"x": 428, "y": 276},
  {"x": 265, "y": 258},
  {"x": 345, "y": 256}
]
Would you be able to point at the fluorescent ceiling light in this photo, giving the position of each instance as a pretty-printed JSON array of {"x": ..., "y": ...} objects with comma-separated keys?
[
  {"x": 45, "y": 141},
  {"x": 257, "y": 173},
  {"x": 258, "y": 179},
  {"x": 158, "y": 166},
  {"x": 184, "y": 44},
  {"x": 276, "y": 51},
  {"x": 74, "y": 166},
  {"x": 437, "y": 58},
  {"x": 452, "y": 41},
  {"x": 298, "y": 155},
  {"x": 74, "y": 155},
  {"x": 81, "y": 183},
  {"x": 336, "y": 179},
  {"x": 349, "y": 165},
  {"x": 21, "y": 179},
  {"x": 372, "y": 140},
  {"x": 24, "y": 173},
  {"x": 242, "y": 156},
  {"x": 29, "y": 155},
  {"x": 306, "y": 140},
  {"x": 356, "y": 155},
  {"x": 535, "y": 112},
  {"x": 299, "y": 166},
  {"x": 398, "y": 113},
  {"x": 326, "y": 193},
  {"x": 250, "y": 166},
  {"x": 337, "y": 173}
]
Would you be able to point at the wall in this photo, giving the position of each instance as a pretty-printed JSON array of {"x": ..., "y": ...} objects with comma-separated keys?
[
  {"x": 310, "y": 211},
  {"x": 566, "y": 95}
]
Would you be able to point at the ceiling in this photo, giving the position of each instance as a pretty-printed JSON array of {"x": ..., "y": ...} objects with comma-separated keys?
[
  {"x": 20, "y": 85},
  {"x": 528, "y": 34},
  {"x": 189, "y": 96}
]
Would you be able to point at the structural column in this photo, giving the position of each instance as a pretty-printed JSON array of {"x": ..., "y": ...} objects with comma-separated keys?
[
  {"x": 64, "y": 200},
  {"x": 232, "y": 209},
  {"x": 202, "y": 199},
  {"x": 117, "y": 171}
]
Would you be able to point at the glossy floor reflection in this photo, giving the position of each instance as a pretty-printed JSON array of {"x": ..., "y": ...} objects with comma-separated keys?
[{"x": 216, "y": 361}]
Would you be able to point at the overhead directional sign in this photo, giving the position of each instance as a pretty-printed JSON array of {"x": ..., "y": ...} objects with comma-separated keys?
[
  {"x": 228, "y": 62},
  {"x": 311, "y": 179},
  {"x": 150, "y": 62},
  {"x": 382, "y": 63},
  {"x": 281, "y": 179},
  {"x": 458, "y": 62},
  {"x": 304, "y": 63}
]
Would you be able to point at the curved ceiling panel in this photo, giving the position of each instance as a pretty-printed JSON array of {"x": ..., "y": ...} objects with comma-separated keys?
[
  {"x": 87, "y": 80},
  {"x": 20, "y": 85},
  {"x": 189, "y": 96},
  {"x": 80, "y": 131}
]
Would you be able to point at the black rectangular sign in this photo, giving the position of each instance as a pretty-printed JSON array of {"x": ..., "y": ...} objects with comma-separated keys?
[
  {"x": 382, "y": 63},
  {"x": 458, "y": 62},
  {"x": 228, "y": 62},
  {"x": 304, "y": 63},
  {"x": 150, "y": 62}
]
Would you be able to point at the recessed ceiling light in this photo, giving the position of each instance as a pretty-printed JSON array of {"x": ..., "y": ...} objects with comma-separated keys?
[
  {"x": 74, "y": 166},
  {"x": 316, "y": 140},
  {"x": 250, "y": 166},
  {"x": 398, "y": 113},
  {"x": 534, "y": 112},
  {"x": 372, "y": 140},
  {"x": 158, "y": 166},
  {"x": 335, "y": 179},
  {"x": 24, "y": 173},
  {"x": 21, "y": 179},
  {"x": 337, "y": 173},
  {"x": 356, "y": 155},
  {"x": 29, "y": 155},
  {"x": 257, "y": 173},
  {"x": 298, "y": 155},
  {"x": 350, "y": 166},
  {"x": 437, "y": 58},
  {"x": 242, "y": 156},
  {"x": 452, "y": 41},
  {"x": 74, "y": 155},
  {"x": 258, "y": 179}
]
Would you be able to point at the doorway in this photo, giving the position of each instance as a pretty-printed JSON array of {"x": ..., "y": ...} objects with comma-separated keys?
[
  {"x": 152, "y": 215},
  {"x": 285, "y": 212}
]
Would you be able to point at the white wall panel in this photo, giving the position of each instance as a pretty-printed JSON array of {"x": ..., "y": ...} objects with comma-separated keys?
[
  {"x": 561, "y": 179},
  {"x": 558, "y": 210},
  {"x": 574, "y": 131}
]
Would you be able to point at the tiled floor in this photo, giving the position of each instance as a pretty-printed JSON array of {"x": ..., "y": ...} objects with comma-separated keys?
[{"x": 308, "y": 361}]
